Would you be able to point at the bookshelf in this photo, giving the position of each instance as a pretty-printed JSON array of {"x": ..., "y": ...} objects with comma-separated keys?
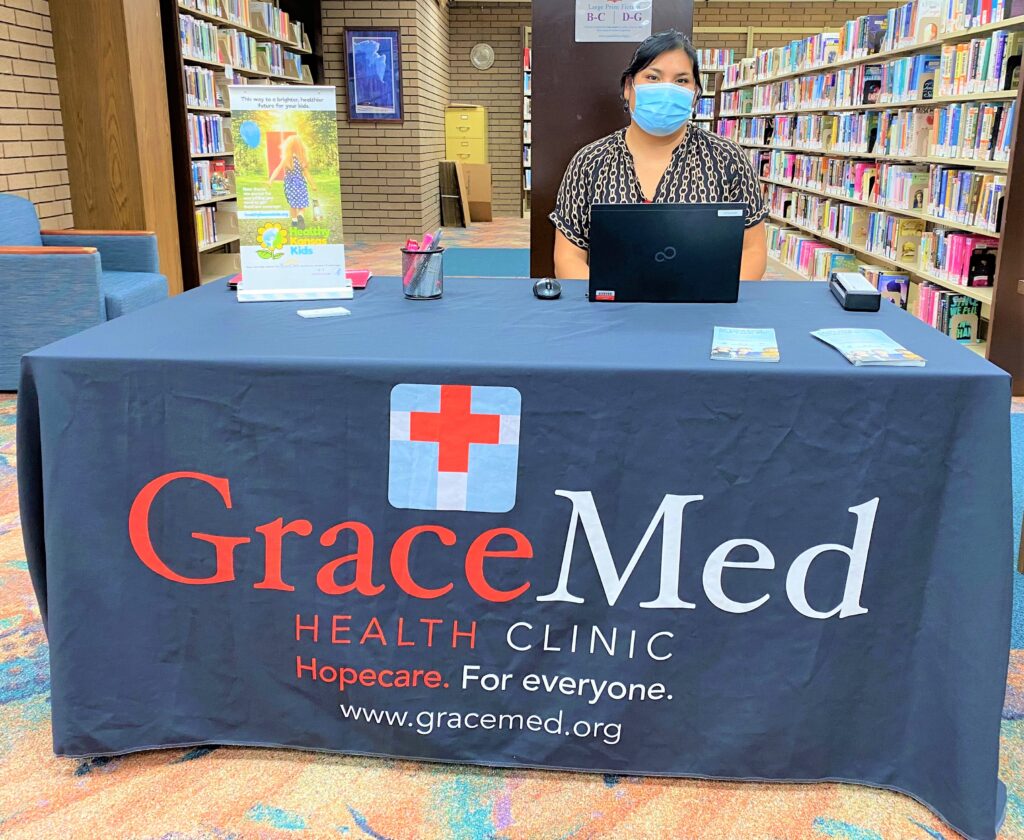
[
  {"x": 902, "y": 157},
  {"x": 208, "y": 46},
  {"x": 709, "y": 106},
  {"x": 527, "y": 179},
  {"x": 748, "y": 75},
  {"x": 712, "y": 68}
]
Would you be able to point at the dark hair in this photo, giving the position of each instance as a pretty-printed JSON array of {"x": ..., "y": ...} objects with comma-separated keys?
[{"x": 649, "y": 50}]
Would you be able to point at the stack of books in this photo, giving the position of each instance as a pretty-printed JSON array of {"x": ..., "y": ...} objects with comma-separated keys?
[
  {"x": 962, "y": 258},
  {"x": 715, "y": 59},
  {"x": 206, "y": 134},
  {"x": 954, "y": 314},
  {"x": 198, "y": 38},
  {"x": 981, "y": 65},
  {"x": 200, "y": 87},
  {"x": 966, "y": 196},
  {"x": 206, "y": 226}
]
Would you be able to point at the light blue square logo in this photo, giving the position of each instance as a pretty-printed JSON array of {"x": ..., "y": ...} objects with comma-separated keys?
[{"x": 454, "y": 447}]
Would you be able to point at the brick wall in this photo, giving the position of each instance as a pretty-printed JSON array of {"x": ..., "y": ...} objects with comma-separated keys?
[
  {"x": 389, "y": 182},
  {"x": 430, "y": 93},
  {"x": 500, "y": 89},
  {"x": 32, "y": 158}
]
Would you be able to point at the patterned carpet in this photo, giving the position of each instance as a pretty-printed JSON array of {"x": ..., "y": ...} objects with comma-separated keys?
[{"x": 231, "y": 793}]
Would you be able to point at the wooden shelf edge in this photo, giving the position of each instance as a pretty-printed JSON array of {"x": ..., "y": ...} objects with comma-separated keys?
[
  {"x": 201, "y": 202},
  {"x": 220, "y": 243},
  {"x": 244, "y": 71},
  {"x": 202, "y": 109}
]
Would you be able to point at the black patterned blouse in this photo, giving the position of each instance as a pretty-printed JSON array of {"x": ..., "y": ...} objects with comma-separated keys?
[{"x": 705, "y": 168}]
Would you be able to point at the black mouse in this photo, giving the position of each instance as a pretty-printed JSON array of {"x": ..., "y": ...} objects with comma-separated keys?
[{"x": 547, "y": 289}]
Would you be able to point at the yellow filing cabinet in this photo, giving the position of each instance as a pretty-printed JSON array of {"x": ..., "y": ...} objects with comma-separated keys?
[{"x": 465, "y": 133}]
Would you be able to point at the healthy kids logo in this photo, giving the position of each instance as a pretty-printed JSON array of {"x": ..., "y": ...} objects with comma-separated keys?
[
  {"x": 272, "y": 241},
  {"x": 454, "y": 447}
]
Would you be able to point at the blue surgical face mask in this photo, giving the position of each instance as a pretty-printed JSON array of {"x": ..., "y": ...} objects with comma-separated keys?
[{"x": 662, "y": 108}]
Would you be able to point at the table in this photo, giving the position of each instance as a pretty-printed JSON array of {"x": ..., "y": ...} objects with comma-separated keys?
[{"x": 645, "y": 561}]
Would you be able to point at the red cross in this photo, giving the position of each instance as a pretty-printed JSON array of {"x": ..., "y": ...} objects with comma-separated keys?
[{"x": 454, "y": 428}]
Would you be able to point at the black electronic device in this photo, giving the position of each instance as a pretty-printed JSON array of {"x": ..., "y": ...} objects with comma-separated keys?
[
  {"x": 666, "y": 253},
  {"x": 854, "y": 292}
]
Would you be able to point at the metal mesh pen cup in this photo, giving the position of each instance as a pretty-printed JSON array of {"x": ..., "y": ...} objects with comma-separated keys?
[{"x": 423, "y": 274}]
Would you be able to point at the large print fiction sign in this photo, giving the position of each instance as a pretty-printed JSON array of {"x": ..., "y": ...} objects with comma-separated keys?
[{"x": 609, "y": 21}]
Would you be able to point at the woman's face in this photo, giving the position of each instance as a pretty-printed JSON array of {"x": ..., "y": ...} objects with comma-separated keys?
[{"x": 673, "y": 66}]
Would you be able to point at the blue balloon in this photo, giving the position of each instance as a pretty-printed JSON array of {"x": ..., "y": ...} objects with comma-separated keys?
[{"x": 250, "y": 134}]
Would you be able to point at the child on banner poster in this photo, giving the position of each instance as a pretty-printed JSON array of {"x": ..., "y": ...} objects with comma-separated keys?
[
  {"x": 286, "y": 152},
  {"x": 291, "y": 165}
]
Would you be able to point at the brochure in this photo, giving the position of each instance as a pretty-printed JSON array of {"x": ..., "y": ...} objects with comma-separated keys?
[
  {"x": 869, "y": 347},
  {"x": 738, "y": 344}
]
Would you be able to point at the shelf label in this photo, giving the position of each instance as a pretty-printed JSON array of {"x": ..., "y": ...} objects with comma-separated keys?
[{"x": 608, "y": 21}]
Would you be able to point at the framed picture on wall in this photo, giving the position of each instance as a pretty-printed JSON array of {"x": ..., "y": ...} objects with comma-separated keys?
[{"x": 374, "y": 63}]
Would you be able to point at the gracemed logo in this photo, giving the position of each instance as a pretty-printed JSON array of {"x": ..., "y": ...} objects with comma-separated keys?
[{"x": 454, "y": 447}]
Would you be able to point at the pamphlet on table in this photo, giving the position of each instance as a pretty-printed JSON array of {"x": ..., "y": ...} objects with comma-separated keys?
[
  {"x": 869, "y": 347},
  {"x": 740, "y": 344}
]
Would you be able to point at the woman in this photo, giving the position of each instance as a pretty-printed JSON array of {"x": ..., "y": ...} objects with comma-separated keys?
[
  {"x": 662, "y": 156},
  {"x": 295, "y": 167}
]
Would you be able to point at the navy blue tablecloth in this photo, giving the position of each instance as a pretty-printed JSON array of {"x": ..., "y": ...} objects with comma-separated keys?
[{"x": 657, "y": 563}]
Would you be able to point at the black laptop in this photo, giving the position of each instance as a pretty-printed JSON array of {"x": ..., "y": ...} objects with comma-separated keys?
[{"x": 666, "y": 253}]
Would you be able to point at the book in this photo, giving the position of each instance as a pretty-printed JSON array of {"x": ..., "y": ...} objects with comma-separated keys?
[
  {"x": 908, "y": 240},
  {"x": 739, "y": 344},
  {"x": 962, "y": 316},
  {"x": 872, "y": 84},
  {"x": 929, "y": 19},
  {"x": 894, "y": 287},
  {"x": 869, "y": 348}
]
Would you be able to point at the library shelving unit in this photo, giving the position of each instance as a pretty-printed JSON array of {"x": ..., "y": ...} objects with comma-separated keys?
[
  {"x": 894, "y": 140},
  {"x": 209, "y": 45},
  {"x": 527, "y": 180},
  {"x": 712, "y": 68},
  {"x": 707, "y": 115}
]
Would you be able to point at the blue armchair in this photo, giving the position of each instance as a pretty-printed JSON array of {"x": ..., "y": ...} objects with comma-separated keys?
[{"x": 56, "y": 283}]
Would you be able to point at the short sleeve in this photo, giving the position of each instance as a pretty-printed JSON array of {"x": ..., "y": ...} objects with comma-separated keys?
[
  {"x": 572, "y": 205},
  {"x": 747, "y": 190}
]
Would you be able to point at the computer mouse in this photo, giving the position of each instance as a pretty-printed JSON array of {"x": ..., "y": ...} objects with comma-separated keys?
[{"x": 547, "y": 289}]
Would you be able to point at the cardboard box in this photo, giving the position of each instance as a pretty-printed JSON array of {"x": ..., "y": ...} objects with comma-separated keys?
[{"x": 478, "y": 191}]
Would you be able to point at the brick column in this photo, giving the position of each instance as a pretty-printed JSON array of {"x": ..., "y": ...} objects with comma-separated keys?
[{"x": 33, "y": 162}]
